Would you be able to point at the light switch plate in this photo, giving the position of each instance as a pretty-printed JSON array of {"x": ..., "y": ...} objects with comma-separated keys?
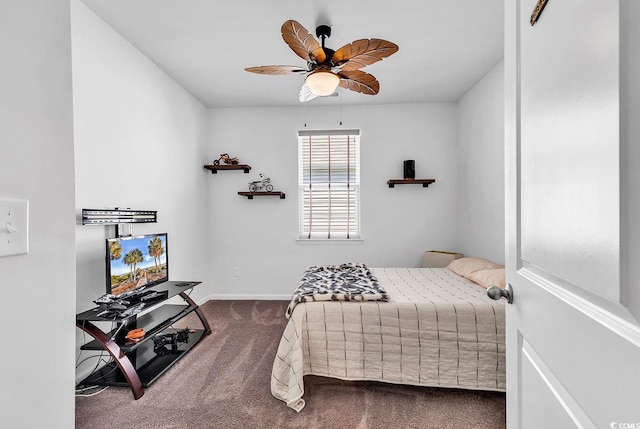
[{"x": 14, "y": 227}]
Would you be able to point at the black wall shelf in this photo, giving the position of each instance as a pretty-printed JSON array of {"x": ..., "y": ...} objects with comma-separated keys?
[
  {"x": 250, "y": 195},
  {"x": 214, "y": 168},
  {"x": 424, "y": 182}
]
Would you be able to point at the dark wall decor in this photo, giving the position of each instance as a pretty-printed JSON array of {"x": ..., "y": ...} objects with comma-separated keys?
[{"x": 409, "y": 169}]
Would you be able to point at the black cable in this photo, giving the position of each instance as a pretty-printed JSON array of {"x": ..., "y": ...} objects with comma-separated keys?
[
  {"x": 103, "y": 376},
  {"x": 84, "y": 341},
  {"x": 113, "y": 369},
  {"x": 107, "y": 362}
]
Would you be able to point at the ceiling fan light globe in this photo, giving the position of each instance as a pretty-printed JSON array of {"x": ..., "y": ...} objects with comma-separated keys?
[{"x": 322, "y": 82}]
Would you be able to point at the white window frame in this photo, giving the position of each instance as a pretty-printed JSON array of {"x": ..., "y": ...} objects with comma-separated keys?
[{"x": 335, "y": 184}]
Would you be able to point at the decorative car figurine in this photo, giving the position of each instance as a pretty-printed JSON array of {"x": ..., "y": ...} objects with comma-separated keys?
[
  {"x": 226, "y": 159},
  {"x": 264, "y": 182}
]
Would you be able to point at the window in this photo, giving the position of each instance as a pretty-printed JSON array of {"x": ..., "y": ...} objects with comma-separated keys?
[{"x": 329, "y": 180}]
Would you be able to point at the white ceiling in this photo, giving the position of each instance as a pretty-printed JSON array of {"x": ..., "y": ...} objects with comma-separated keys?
[{"x": 445, "y": 45}]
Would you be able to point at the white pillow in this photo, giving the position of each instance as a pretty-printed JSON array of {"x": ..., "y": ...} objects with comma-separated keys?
[
  {"x": 486, "y": 278},
  {"x": 466, "y": 266}
]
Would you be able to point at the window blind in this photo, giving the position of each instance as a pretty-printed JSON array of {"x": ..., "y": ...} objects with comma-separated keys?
[{"x": 329, "y": 181}]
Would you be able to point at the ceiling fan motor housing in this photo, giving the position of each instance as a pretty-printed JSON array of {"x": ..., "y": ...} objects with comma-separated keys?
[{"x": 323, "y": 31}]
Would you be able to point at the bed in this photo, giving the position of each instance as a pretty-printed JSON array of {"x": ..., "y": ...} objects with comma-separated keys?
[{"x": 436, "y": 328}]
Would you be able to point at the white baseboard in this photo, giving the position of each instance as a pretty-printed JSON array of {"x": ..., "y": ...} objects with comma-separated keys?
[{"x": 222, "y": 297}]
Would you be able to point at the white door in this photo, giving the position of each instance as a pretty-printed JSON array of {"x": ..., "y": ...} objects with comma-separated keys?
[{"x": 573, "y": 337}]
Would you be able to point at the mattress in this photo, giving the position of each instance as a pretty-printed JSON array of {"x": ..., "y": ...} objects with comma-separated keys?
[{"x": 437, "y": 329}]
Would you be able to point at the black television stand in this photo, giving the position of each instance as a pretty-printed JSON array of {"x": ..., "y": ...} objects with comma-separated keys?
[{"x": 138, "y": 364}]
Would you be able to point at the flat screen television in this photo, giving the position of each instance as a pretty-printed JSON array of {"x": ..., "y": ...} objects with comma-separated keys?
[{"x": 135, "y": 262}]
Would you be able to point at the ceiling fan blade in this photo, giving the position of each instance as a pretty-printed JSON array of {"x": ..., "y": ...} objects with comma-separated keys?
[
  {"x": 302, "y": 43},
  {"x": 362, "y": 52},
  {"x": 276, "y": 70},
  {"x": 306, "y": 94},
  {"x": 359, "y": 81}
]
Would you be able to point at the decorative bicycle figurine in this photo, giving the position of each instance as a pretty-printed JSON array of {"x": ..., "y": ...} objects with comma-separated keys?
[
  {"x": 224, "y": 157},
  {"x": 264, "y": 182}
]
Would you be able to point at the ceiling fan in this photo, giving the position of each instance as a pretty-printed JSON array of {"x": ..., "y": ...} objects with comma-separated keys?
[{"x": 327, "y": 69}]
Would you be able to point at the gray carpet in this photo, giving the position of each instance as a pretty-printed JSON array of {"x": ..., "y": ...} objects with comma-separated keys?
[{"x": 224, "y": 383}]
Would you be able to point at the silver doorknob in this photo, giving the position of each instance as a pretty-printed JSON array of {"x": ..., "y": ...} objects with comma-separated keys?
[{"x": 496, "y": 293}]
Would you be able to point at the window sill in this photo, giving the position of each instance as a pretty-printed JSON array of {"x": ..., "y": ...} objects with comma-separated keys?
[{"x": 329, "y": 241}]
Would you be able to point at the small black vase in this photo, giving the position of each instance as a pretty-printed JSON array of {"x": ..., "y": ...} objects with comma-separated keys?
[{"x": 409, "y": 169}]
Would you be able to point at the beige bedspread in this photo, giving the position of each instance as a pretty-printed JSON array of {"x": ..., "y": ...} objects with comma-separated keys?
[{"x": 438, "y": 329}]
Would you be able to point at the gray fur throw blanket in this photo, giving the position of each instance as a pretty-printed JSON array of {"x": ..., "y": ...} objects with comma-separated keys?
[{"x": 345, "y": 282}]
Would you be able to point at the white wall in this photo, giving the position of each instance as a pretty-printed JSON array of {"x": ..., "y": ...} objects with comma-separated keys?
[
  {"x": 140, "y": 142},
  {"x": 480, "y": 168},
  {"x": 630, "y": 154},
  {"x": 36, "y": 163},
  {"x": 259, "y": 236}
]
